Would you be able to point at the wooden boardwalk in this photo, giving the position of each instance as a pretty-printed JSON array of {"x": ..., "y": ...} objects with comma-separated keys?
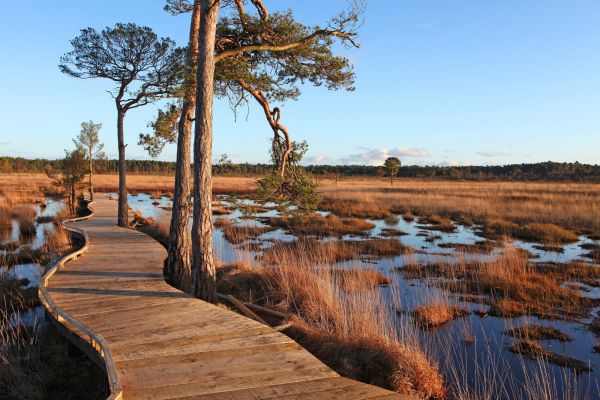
[{"x": 166, "y": 344}]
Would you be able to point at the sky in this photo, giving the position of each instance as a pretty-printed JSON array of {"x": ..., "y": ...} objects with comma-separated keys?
[{"x": 462, "y": 82}]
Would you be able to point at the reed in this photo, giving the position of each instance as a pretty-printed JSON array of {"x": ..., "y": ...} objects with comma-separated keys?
[
  {"x": 573, "y": 206},
  {"x": 339, "y": 317}
]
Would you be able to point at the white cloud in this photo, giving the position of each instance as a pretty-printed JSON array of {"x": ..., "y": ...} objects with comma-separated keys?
[
  {"x": 492, "y": 154},
  {"x": 409, "y": 152},
  {"x": 378, "y": 155},
  {"x": 453, "y": 163},
  {"x": 318, "y": 159}
]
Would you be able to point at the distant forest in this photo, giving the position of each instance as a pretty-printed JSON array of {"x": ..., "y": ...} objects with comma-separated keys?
[{"x": 546, "y": 171}]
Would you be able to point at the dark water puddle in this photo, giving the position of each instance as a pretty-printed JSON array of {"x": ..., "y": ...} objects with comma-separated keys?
[{"x": 31, "y": 273}]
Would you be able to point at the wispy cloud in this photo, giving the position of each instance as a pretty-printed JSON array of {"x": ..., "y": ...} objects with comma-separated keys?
[
  {"x": 376, "y": 156},
  {"x": 492, "y": 154},
  {"x": 452, "y": 163},
  {"x": 317, "y": 159}
]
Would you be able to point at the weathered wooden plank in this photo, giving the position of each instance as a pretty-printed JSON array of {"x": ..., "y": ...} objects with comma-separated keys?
[
  {"x": 167, "y": 344},
  {"x": 277, "y": 390},
  {"x": 223, "y": 387}
]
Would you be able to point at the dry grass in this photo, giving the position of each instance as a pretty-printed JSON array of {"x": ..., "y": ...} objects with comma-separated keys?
[
  {"x": 437, "y": 314},
  {"x": 334, "y": 251},
  {"x": 56, "y": 244},
  {"x": 392, "y": 232},
  {"x": 574, "y": 206},
  {"x": 538, "y": 332},
  {"x": 13, "y": 297},
  {"x": 513, "y": 286},
  {"x": 156, "y": 184},
  {"x": 536, "y": 351},
  {"x": 316, "y": 224},
  {"x": 353, "y": 208},
  {"x": 239, "y": 234},
  {"x": 338, "y": 316},
  {"x": 436, "y": 223},
  {"x": 595, "y": 325},
  {"x": 480, "y": 247},
  {"x": 40, "y": 364},
  {"x": 157, "y": 228},
  {"x": 546, "y": 233}
]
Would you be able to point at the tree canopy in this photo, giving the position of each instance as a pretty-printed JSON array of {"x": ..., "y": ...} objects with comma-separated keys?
[{"x": 144, "y": 66}]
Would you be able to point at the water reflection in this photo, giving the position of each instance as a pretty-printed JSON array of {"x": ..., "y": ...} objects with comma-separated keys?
[{"x": 469, "y": 347}]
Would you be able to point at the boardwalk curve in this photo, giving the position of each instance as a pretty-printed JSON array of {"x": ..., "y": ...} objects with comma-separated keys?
[{"x": 159, "y": 343}]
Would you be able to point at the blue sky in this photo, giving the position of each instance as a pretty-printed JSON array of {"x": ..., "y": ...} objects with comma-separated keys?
[{"x": 438, "y": 82}]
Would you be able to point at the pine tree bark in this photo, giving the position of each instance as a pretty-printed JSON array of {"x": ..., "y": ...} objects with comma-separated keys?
[
  {"x": 123, "y": 209},
  {"x": 202, "y": 229},
  {"x": 178, "y": 268},
  {"x": 90, "y": 155}
]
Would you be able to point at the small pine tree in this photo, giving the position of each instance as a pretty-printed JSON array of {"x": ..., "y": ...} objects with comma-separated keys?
[{"x": 70, "y": 176}]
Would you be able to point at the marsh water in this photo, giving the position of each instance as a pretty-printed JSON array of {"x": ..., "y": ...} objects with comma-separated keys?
[
  {"x": 30, "y": 274},
  {"x": 471, "y": 351}
]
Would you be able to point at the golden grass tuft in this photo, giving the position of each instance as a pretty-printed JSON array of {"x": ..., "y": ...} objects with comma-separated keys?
[
  {"x": 573, "y": 206},
  {"x": 239, "y": 234},
  {"x": 318, "y": 225},
  {"x": 337, "y": 316},
  {"x": 546, "y": 233},
  {"x": 513, "y": 286},
  {"x": 334, "y": 251},
  {"x": 538, "y": 332},
  {"x": 355, "y": 208},
  {"x": 437, "y": 313},
  {"x": 536, "y": 351},
  {"x": 437, "y": 223}
]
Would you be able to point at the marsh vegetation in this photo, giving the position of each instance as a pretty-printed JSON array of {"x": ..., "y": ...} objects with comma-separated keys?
[
  {"x": 36, "y": 362},
  {"x": 434, "y": 282}
]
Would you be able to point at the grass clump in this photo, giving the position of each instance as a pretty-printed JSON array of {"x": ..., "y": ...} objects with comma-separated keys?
[
  {"x": 538, "y": 332},
  {"x": 382, "y": 247},
  {"x": 334, "y": 251},
  {"x": 392, "y": 232},
  {"x": 546, "y": 233},
  {"x": 436, "y": 223},
  {"x": 46, "y": 219},
  {"x": 437, "y": 314},
  {"x": 40, "y": 364},
  {"x": 536, "y": 351},
  {"x": 513, "y": 286},
  {"x": 315, "y": 224},
  {"x": 156, "y": 228},
  {"x": 355, "y": 208},
  {"x": 337, "y": 316},
  {"x": 13, "y": 297},
  {"x": 239, "y": 234},
  {"x": 477, "y": 247}
]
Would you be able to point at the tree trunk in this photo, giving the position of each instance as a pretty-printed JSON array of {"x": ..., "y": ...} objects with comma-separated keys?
[
  {"x": 123, "y": 212},
  {"x": 202, "y": 229},
  {"x": 72, "y": 201},
  {"x": 91, "y": 172},
  {"x": 178, "y": 268}
]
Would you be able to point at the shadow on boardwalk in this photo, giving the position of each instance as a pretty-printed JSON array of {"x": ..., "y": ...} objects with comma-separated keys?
[{"x": 167, "y": 344}]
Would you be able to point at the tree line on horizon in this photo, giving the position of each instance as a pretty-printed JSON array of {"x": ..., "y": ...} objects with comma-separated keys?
[{"x": 551, "y": 171}]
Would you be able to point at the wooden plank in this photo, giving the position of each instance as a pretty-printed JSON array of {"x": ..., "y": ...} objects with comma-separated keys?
[
  {"x": 232, "y": 344},
  {"x": 244, "y": 368},
  {"x": 277, "y": 390},
  {"x": 225, "y": 386},
  {"x": 172, "y": 345},
  {"x": 163, "y": 343}
]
